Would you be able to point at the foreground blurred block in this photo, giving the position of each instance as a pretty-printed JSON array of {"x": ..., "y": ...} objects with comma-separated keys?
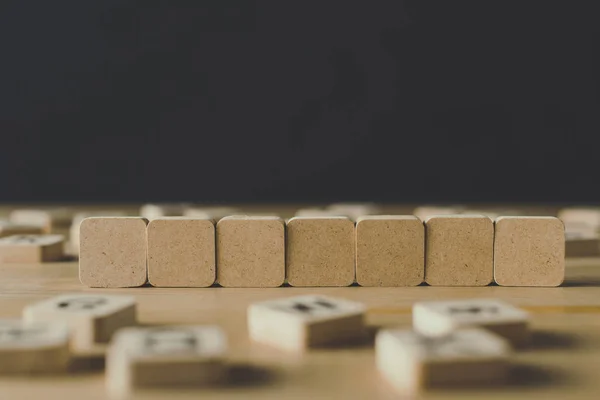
[
  {"x": 146, "y": 358},
  {"x": 411, "y": 362},
  {"x": 92, "y": 318},
  {"x": 113, "y": 252},
  {"x": 390, "y": 251},
  {"x": 8, "y": 228},
  {"x": 459, "y": 250},
  {"x": 31, "y": 248},
  {"x": 33, "y": 347},
  {"x": 296, "y": 323},
  {"x": 181, "y": 252},
  {"x": 439, "y": 318},
  {"x": 251, "y": 251},
  {"x": 320, "y": 251},
  {"x": 529, "y": 251}
]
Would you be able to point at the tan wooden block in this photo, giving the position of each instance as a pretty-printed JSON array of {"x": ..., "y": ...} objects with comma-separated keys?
[
  {"x": 251, "y": 251},
  {"x": 31, "y": 248},
  {"x": 8, "y": 228},
  {"x": 459, "y": 250},
  {"x": 426, "y": 211},
  {"x": 181, "y": 252},
  {"x": 161, "y": 357},
  {"x": 113, "y": 251},
  {"x": 582, "y": 244},
  {"x": 412, "y": 363},
  {"x": 215, "y": 212},
  {"x": 92, "y": 318},
  {"x": 439, "y": 318},
  {"x": 529, "y": 251},
  {"x": 320, "y": 251},
  {"x": 297, "y": 323},
  {"x": 80, "y": 216},
  {"x": 152, "y": 211},
  {"x": 390, "y": 250},
  {"x": 33, "y": 347}
]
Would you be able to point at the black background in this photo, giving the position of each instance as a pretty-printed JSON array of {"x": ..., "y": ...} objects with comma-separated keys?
[{"x": 219, "y": 100}]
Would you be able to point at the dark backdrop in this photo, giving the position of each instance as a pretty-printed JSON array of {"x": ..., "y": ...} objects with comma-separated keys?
[{"x": 298, "y": 100}]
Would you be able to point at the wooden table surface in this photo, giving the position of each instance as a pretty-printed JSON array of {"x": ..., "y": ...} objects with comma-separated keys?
[{"x": 563, "y": 361}]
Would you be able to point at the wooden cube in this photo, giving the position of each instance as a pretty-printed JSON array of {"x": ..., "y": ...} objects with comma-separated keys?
[
  {"x": 181, "y": 252},
  {"x": 92, "y": 318},
  {"x": 320, "y": 251},
  {"x": 300, "y": 322},
  {"x": 33, "y": 347},
  {"x": 439, "y": 318},
  {"x": 113, "y": 252},
  {"x": 251, "y": 251},
  {"x": 80, "y": 216},
  {"x": 459, "y": 250},
  {"x": 8, "y": 228},
  {"x": 31, "y": 248},
  {"x": 529, "y": 251},
  {"x": 390, "y": 250},
  {"x": 152, "y": 211},
  {"x": 149, "y": 358},
  {"x": 411, "y": 362}
]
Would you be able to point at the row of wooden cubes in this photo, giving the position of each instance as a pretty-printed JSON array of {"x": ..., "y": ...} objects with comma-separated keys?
[{"x": 250, "y": 251}]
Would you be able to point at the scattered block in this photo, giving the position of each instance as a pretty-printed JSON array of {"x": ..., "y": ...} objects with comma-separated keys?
[
  {"x": 317, "y": 212},
  {"x": 92, "y": 318},
  {"x": 33, "y": 347},
  {"x": 147, "y": 358},
  {"x": 412, "y": 363},
  {"x": 80, "y": 216},
  {"x": 578, "y": 244},
  {"x": 31, "y": 248},
  {"x": 580, "y": 217},
  {"x": 251, "y": 251},
  {"x": 181, "y": 252},
  {"x": 354, "y": 210},
  {"x": 8, "y": 228},
  {"x": 320, "y": 251},
  {"x": 529, "y": 251},
  {"x": 300, "y": 322},
  {"x": 439, "y": 318},
  {"x": 459, "y": 250},
  {"x": 152, "y": 211},
  {"x": 424, "y": 212},
  {"x": 113, "y": 251},
  {"x": 215, "y": 213},
  {"x": 47, "y": 219},
  {"x": 390, "y": 251}
]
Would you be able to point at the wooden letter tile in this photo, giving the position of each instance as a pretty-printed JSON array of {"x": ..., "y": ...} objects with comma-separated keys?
[
  {"x": 31, "y": 248},
  {"x": 320, "y": 251},
  {"x": 582, "y": 244},
  {"x": 251, "y": 251},
  {"x": 92, "y": 318},
  {"x": 529, "y": 251},
  {"x": 8, "y": 228},
  {"x": 33, "y": 347},
  {"x": 438, "y": 318},
  {"x": 181, "y": 252},
  {"x": 459, "y": 250},
  {"x": 170, "y": 356},
  {"x": 390, "y": 251},
  {"x": 113, "y": 251},
  {"x": 411, "y": 362},
  {"x": 296, "y": 323},
  {"x": 210, "y": 212}
]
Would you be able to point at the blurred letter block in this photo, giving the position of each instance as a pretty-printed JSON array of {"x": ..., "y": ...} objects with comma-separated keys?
[
  {"x": 31, "y": 248},
  {"x": 113, "y": 252}
]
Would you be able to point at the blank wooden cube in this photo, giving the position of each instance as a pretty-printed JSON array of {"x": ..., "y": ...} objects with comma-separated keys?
[
  {"x": 33, "y": 347},
  {"x": 80, "y": 216},
  {"x": 31, "y": 248},
  {"x": 439, "y": 318},
  {"x": 390, "y": 250},
  {"x": 459, "y": 250},
  {"x": 411, "y": 362},
  {"x": 529, "y": 251},
  {"x": 8, "y": 228},
  {"x": 113, "y": 251},
  {"x": 320, "y": 251},
  {"x": 92, "y": 318},
  {"x": 251, "y": 251},
  {"x": 210, "y": 212},
  {"x": 296, "y": 323},
  {"x": 181, "y": 252},
  {"x": 148, "y": 358}
]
